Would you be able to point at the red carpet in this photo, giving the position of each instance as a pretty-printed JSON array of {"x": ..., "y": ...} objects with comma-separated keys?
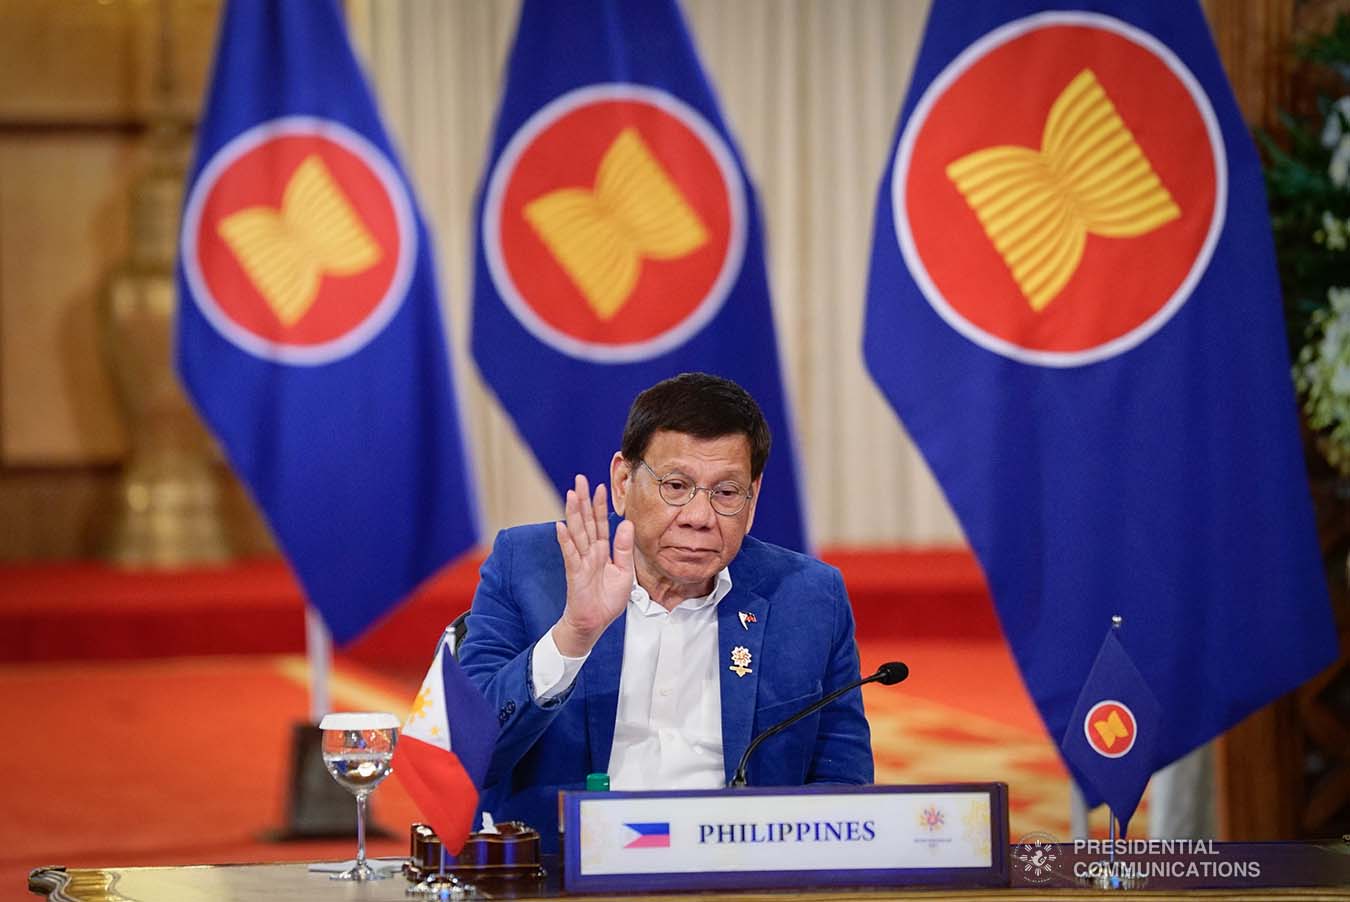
[
  {"x": 166, "y": 762},
  {"x": 89, "y": 611}
]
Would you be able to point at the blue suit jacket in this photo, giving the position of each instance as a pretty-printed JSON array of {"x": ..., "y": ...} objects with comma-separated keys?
[{"x": 801, "y": 646}]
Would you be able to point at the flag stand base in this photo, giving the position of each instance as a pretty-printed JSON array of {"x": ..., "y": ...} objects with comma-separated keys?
[
  {"x": 316, "y": 806},
  {"x": 1107, "y": 878}
]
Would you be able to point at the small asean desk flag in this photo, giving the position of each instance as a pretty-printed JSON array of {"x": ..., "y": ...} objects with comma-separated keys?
[
  {"x": 1113, "y": 731},
  {"x": 443, "y": 753},
  {"x": 1073, "y": 307},
  {"x": 619, "y": 243},
  {"x": 310, "y": 334}
]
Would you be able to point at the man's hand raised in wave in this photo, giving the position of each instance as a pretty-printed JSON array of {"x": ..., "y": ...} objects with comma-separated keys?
[{"x": 598, "y": 586}]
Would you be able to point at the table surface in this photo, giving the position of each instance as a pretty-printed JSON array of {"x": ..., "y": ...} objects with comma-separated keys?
[{"x": 294, "y": 881}]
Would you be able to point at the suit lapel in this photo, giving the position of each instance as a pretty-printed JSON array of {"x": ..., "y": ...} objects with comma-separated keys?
[
  {"x": 601, "y": 683},
  {"x": 738, "y": 692}
]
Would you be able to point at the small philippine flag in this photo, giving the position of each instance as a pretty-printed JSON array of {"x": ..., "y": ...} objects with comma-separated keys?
[{"x": 650, "y": 836}]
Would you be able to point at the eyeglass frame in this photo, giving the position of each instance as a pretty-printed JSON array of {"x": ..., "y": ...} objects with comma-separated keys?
[{"x": 746, "y": 497}]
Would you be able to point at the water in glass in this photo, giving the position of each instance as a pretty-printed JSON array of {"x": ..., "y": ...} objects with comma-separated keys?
[{"x": 358, "y": 750}]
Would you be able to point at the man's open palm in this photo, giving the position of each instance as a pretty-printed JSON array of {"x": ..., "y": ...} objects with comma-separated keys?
[{"x": 598, "y": 585}]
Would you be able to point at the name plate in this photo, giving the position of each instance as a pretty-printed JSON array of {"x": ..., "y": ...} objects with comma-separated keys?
[{"x": 819, "y": 835}]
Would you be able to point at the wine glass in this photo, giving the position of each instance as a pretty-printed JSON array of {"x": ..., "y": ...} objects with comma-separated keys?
[{"x": 358, "y": 750}]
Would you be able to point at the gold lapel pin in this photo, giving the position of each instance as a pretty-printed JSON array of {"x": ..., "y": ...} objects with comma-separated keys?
[{"x": 740, "y": 661}]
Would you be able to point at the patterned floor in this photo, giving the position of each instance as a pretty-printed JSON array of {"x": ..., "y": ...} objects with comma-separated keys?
[
  {"x": 964, "y": 715},
  {"x": 925, "y": 742}
]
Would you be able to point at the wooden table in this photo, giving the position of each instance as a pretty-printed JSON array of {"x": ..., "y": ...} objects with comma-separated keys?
[{"x": 256, "y": 882}]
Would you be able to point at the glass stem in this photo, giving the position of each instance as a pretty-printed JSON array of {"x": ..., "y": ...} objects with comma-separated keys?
[{"x": 361, "y": 829}]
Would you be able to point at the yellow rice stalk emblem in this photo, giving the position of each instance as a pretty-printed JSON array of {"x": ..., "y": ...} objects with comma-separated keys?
[
  {"x": 600, "y": 237},
  {"x": 315, "y": 233},
  {"x": 1111, "y": 729},
  {"x": 1089, "y": 177}
]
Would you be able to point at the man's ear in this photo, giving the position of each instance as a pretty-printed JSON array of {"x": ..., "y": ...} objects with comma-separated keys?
[
  {"x": 750, "y": 515},
  {"x": 620, "y": 480}
]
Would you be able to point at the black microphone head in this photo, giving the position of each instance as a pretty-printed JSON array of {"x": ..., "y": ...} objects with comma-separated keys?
[{"x": 892, "y": 672}]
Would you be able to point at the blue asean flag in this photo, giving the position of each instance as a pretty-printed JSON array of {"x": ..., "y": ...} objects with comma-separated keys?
[
  {"x": 309, "y": 333},
  {"x": 619, "y": 243},
  {"x": 1113, "y": 733},
  {"x": 1073, "y": 307}
]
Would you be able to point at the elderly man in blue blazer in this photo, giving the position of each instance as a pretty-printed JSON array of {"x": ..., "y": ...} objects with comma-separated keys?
[{"x": 657, "y": 655}]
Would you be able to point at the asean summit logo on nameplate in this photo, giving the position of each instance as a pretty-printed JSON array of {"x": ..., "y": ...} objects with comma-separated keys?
[
  {"x": 1110, "y": 728},
  {"x": 1059, "y": 188},
  {"x": 614, "y": 223},
  {"x": 299, "y": 241}
]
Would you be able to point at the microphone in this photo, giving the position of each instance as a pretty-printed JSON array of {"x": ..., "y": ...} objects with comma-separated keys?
[{"x": 887, "y": 674}]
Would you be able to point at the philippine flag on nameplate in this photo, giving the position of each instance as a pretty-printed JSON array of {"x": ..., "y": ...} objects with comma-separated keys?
[
  {"x": 619, "y": 242},
  {"x": 1073, "y": 306},
  {"x": 652, "y": 835},
  {"x": 443, "y": 753},
  {"x": 310, "y": 333},
  {"x": 1113, "y": 731}
]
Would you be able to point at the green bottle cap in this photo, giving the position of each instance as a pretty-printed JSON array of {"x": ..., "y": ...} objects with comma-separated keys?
[{"x": 597, "y": 782}]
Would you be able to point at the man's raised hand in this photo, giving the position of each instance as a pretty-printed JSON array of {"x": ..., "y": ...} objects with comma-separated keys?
[{"x": 598, "y": 586}]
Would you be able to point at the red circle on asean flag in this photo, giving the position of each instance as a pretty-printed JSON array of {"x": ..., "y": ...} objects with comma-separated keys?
[
  {"x": 1122, "y": 288},
  {"x": 316, "y": 266},
  {"x": 1110, "y": 728},
  {"x": 559, "y": 152}
]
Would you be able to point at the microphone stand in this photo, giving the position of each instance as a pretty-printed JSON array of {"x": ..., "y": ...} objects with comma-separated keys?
[{"x": 887, "y": 674}]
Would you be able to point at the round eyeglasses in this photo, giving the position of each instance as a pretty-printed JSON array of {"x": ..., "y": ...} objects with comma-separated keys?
[{"x": 677, "y": 490}]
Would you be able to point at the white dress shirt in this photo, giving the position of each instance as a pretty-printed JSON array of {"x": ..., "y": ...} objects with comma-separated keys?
[{"x": 668, "y": 728}]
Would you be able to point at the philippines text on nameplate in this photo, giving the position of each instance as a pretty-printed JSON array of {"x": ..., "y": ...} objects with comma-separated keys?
[{"x": 823, "y": 835}]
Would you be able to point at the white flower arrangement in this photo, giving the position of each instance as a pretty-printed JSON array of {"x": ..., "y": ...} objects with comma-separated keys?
[
  {"x": 1336, "y": 138},
  {"x": 1322, "y": 375},
  {"x": 1322, "y": 371}
]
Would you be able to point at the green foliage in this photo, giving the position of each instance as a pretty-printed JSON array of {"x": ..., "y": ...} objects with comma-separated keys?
[
  {"x": 1331, "y": 49},
  {"x": 1309, "y": 195}
]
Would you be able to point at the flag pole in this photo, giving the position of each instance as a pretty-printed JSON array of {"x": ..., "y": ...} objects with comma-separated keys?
[
  {"x": 316, "y": 806},
  {"x": 1112, "y": 880},
  {"x": 319, "y": 655},
  {"x": 1078, "y": 811}
]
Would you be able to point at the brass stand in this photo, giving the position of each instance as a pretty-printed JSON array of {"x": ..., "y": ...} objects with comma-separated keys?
[
  {"x": 170, "y": 497},
  {"x": 170, "y": 511}
]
